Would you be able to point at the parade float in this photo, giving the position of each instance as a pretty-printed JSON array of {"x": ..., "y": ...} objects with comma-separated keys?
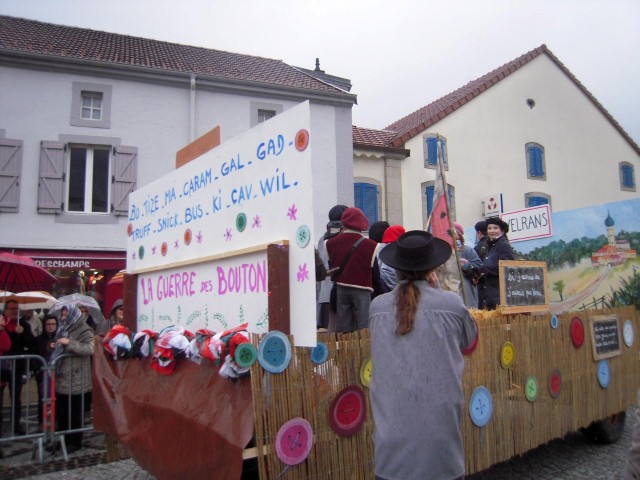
[{"x": 225, "y": 244}]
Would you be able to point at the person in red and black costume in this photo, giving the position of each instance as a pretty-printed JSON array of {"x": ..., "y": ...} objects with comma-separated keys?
[
  {"x": 22, "y": 341},
  {"x": 354, "y": 280}
]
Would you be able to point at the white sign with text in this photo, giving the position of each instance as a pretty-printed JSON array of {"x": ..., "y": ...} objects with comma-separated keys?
[
  {"x": 529, "y": 223},
  {"x": 252, "y": 190}
]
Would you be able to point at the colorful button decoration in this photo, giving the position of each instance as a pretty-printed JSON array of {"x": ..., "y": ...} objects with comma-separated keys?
[
  {"x": 303, "y": 236},
  {"x": 604, "y": 374},
  {"x": 576, "y": 329},
  {"x": 628, "y": 333},
  {"x": 555, "y": 383},
  {"x": 531, "y": 389},
  {"x": 245, "y": 354},
  {"x": 294, "y": 441},
  {"x": 319, "y": 353},
  {"x": 554, "y": 321},
  {"x": 241, "y": 222},
  {"x": 480, "y": 406},
  {"x": 507, "y": 354},
  {"x": 348, "y": 411},
  {"x": 365, "y": 372},
  {"x": 274, "y": 352}
]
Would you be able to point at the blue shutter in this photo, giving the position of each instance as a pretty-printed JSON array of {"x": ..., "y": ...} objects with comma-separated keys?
[
  {"x": 536, "y": 164},
  {"x": 365, "y": 197},
  {"x": 627, "y": 176},
  {"x": 536, "y": 201},
  {"x": 429, "y": 194},
  {"x": 432, "y": 151}
]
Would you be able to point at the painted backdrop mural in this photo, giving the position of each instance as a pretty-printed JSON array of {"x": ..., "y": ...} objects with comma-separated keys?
[{"x": 592, "y": 257}]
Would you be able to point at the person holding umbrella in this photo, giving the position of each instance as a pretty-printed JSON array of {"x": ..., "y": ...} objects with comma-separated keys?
[
  {"x": 74, "y": 340},
  {"x": 5, "y": 345}
]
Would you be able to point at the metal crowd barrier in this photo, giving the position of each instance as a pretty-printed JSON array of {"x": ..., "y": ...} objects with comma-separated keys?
[{"x": 33, "y": 416}]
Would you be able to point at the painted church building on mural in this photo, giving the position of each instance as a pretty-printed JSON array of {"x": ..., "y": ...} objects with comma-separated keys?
[{"x": 615, "y": 252}]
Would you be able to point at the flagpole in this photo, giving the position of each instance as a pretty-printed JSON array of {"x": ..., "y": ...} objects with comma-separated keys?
[{"x": 440, "y": 159}]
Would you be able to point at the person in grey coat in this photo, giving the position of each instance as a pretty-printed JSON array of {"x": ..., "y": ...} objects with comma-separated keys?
[
  {"x": 72, "y": 361},
  {"x": 417, "y": 334}
]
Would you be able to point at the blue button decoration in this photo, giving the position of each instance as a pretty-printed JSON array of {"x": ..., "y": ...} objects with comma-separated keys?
[
  {"x": 480, "y": 406},
  {"x": 604, "y": 374},
  {"x": 554, "y": 321},
  {"x": 274, "y": 352},
  {"x": 319, "y": 353}
]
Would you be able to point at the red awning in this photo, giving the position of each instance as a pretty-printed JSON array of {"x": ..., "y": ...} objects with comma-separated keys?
[{"x": 75, "y": 259}]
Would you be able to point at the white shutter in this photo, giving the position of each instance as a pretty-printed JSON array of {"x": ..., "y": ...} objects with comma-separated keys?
[
  {"x": 10, "y": 168},
  {"x": 123, "y": 181},
  {"x": 50, "y": 184}
]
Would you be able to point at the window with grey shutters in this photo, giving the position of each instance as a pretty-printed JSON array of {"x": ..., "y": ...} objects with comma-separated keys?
[
  {"x": 125, "y": 172},
  {"x": 50, "y": 184},
  {"x": 10, "y": 167}
]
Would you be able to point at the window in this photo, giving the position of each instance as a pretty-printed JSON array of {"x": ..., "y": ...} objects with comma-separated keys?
[
  {"x": 95, "y": 177},
  {"x": 365, "y": 197},
  {"x": 428, "y": 189},
  {"x": 627, "y": 177},
  {"x": 431, "y": 151},
  {"x": 264, "y": 115},
  {"x": 88, "y": 185},
  {"x": 534, "y": 199},
  {"x": 90, "y": 105},
  {"x": 263, "y": 111},
  {"x": 535, "y": 161}
]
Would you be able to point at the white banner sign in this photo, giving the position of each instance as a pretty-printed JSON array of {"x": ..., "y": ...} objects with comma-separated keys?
[
  {"x": 527, "y": 224},
  {"x": 252, "y": 190}
]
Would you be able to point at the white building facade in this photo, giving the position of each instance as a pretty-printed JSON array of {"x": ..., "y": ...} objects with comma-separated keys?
[
  {"x": 527, "y": 133},
  {"x": 86, "y": 117}
]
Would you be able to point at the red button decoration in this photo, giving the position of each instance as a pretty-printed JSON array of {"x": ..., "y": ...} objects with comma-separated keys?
[
  {"x": 348, "y": 411},
  {"x": 555, "y": 383},
  {"x": 577, "y": 332}
]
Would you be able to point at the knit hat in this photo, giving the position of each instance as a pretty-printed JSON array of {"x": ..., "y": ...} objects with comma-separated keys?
[
  {"x": 392, "y": 233},
  {"x": 459, "y": 229},
  {"x": 336, "y": 213},
  {"x": 504, "y": 226},
  {"x": 354, "y": 219}
]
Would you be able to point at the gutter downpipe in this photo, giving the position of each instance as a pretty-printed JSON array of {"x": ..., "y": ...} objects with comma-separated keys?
[{"x": 192, "y": 109}]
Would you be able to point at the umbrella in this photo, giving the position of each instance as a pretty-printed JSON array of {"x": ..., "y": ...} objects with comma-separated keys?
[
  {"x": 30, "y": 300},
  {"x": 81, "y": 300},
  {"x": 22, "y": 273}
]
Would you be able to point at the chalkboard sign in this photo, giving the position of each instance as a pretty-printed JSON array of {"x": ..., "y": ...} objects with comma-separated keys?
[
  {"x": 605, "y": 336},
  {"x": 523, "y": 286}
]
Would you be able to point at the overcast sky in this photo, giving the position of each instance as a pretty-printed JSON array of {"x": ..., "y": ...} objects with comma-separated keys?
[{"x": 399, "y": 55}]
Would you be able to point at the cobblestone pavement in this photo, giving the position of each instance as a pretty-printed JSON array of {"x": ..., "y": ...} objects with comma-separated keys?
[{"x": 572, "y": 458}]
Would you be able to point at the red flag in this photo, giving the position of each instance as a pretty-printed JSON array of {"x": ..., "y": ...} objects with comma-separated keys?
[{"x": 440, "y": 222}]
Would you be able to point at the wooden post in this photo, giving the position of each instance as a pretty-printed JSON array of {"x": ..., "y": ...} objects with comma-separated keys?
[
  {"x": 130, "y": 301},
  {"x": 278, "y": 274},
  {"x": 199, "y": 146}
]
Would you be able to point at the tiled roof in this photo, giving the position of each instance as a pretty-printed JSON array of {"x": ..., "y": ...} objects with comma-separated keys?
[
  {"x": 29, "y": 37},
  {"x": 418, "y": 121},
  {"x": 366, "y": 137}
]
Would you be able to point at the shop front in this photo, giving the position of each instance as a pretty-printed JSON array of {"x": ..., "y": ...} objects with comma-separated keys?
[{"x": 78, "y": 271}]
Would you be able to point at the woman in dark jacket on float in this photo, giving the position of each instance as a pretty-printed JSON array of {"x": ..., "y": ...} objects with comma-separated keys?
[{"x": 498, "y": 248}]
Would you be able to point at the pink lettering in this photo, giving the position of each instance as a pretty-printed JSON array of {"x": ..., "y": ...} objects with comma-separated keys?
[{"x": 243, "y": 278}]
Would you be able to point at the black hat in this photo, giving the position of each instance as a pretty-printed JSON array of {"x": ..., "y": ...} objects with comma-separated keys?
[
  {"x": 481, "y": 227},
  {"x": 416, "y": 251},
  {"x": 504, "y": 226},
  {"x": 335, "y": 214},
  {"x": 377, "y": 229}
]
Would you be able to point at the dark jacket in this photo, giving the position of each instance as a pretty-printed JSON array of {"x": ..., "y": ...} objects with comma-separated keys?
[
  {"x": 358, "y": 272},
  {"x": 489, "y": 291},
  {"x": 481, "y": 247},
  {"x": 21, "y": 343}
]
